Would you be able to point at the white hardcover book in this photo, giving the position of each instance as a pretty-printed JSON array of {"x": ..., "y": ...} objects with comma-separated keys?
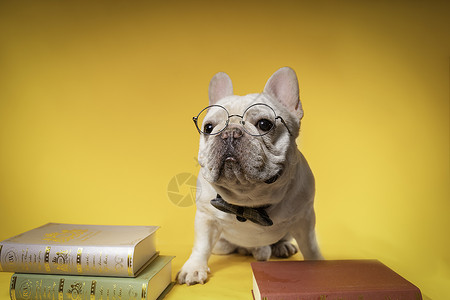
[{"x": 96, "y": 250}]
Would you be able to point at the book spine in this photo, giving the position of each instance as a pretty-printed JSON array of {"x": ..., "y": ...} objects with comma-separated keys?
[
  {"x": 63, "y": 259},
  {"x": 372, "y": 295},
  {"x": 54, "y": 287}
]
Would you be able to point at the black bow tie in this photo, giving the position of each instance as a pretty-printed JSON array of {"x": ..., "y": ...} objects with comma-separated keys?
[{"x": 257, "y": 215}]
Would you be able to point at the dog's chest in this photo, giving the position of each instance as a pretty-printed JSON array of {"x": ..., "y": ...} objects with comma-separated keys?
[{"x": 248, "y": 234}]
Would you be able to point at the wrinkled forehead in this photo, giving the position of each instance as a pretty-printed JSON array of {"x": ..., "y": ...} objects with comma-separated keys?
[{"x": 236, "y": 105}]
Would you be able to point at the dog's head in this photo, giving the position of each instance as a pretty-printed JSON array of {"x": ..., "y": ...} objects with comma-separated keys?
[{"x": 247, "y": 142}]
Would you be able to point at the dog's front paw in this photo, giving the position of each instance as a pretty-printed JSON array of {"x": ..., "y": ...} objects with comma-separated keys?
[
  {"x": 283, "y": 249},
  {"x": 262, "y": 253},
  {"x": 192, "y": 273}
]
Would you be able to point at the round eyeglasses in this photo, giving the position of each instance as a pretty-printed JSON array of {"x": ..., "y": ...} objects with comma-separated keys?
[{"x": 257, "y": 120}]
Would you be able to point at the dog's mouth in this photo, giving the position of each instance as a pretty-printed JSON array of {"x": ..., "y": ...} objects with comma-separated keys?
[
  {"x": 230, "y": 165},
  {"x": 231, "y": 162},
  {"x": 230, "y": 158}
]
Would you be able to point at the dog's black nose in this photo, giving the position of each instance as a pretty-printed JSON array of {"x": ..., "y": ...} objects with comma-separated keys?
[{"x": 231, "y": 132}]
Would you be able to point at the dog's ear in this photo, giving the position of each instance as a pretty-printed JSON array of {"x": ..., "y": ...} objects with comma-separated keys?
[
  {"x": 283, "y": 86},
  {"x": 220, "y": 87}
]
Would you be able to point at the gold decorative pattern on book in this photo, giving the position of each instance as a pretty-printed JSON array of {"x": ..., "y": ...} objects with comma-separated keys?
[
  {"x": 130, "y": 262},
  {"x": 61, "y": 289},
  {"x": 61, "y": 260},
  {"x": 47, "y": 259},
  {"x": 64, "y": 235},
  {"x": 144, "y": 291},
  {"x": 25, "y": 290},
  {"x": 75, "y": 291},
  {"x": 79, "y": 267},
  {"x": 13, "y": 288},
  {"x": 93, "y": 287}
]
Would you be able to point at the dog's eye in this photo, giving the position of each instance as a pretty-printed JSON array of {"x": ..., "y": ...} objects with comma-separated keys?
[
  {"x": 208, "y": 128},
  {"x": 264, "y": 125}
]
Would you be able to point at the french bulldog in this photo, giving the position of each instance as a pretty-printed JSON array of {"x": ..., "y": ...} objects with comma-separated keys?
[{"x": 255, "y": 189}]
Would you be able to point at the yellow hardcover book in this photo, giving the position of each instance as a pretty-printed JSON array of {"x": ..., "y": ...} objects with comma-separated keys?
[{"x": 97, "y": 250}]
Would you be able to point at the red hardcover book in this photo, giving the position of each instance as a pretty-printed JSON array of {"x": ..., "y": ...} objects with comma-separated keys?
[{"x": 330, "y": 279}]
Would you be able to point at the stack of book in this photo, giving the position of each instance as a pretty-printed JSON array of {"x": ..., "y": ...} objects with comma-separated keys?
[{"x": 71, "y": 262}]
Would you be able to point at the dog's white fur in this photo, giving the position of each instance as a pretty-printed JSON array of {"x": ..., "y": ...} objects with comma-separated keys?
[{"x": 241, "y": 181}]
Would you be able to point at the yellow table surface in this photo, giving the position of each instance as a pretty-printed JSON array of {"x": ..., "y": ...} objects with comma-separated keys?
[{"x": 230, "y": 278}]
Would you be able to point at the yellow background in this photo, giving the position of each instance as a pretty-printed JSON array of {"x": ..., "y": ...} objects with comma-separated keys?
[{"x": 96, "y": 101}]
